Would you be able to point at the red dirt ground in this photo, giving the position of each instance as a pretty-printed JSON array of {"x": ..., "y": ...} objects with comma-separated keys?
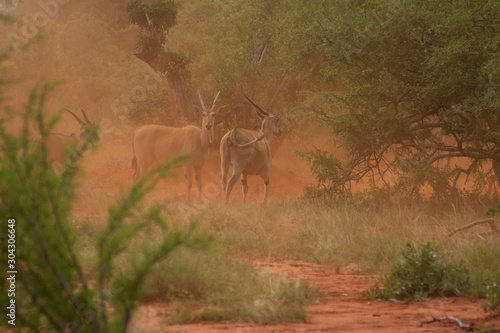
[
  {"x": 108, "y": 173},
  {"x": 342, "y": 309}
]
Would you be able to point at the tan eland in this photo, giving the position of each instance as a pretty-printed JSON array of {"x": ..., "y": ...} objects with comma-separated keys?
[{"x": 156, "y": 143}]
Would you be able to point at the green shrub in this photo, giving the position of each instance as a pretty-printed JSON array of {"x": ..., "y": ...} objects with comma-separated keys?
[
  {"x": 423, "y": 273},
  {"x": 54, "y": 291},
  {"x": 153, "y": 108},
  {"x": 492, "y": 298},
  {"x": 328, "y": 172}
]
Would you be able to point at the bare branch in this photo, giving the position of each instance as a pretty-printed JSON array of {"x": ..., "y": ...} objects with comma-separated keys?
[{"x": 489, "y": 221}]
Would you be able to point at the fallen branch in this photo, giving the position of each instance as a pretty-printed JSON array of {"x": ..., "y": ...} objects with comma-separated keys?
[
  {"x": 459, "y": 323},
  {"x": 489, "y": 221}
]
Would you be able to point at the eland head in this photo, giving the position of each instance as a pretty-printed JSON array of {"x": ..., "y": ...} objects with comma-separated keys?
[{"x": 208, "y": 119}]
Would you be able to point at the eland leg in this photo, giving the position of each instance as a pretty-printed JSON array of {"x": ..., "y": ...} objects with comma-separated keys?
[
  {"x": 244, "y": 185},
  {"x": 266, "y": 188},
  {"x": 232, "y": 181},
  {"x": 224, "y": 164},
  {"x": 141, "y": 166},
  {"x": 187, "y": 174},
  {"x": 198, "y": 177},
  {"x": 224, "y": 171}
]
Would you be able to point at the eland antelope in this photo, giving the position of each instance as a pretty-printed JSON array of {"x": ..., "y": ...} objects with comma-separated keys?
[
  {"x": 156, "y": 143},
  {"x": 248, "y": 152},
  {"x": 56, "y": 143}
]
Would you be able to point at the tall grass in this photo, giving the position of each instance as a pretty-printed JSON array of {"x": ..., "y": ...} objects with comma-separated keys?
[
  {"x": 230, "y": 289},
  {"x": 340, "y": 233}
]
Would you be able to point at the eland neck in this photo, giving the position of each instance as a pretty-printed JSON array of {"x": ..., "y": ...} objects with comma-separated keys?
[
  {"x": 206, "y": 138},
  {"x": 267, "y": 130}
]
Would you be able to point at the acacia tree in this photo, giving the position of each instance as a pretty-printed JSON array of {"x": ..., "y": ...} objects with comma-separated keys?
[{"x": 417, "y": 90}]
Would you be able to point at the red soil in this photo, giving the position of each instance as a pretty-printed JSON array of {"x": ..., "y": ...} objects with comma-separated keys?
[{"x": 342, "y": 309}]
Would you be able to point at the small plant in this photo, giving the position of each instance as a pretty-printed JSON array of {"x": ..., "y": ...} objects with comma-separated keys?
[
  {"x": 492, "y": 298},
  {"x": 481, "y": 329},
  {"x": 422, "y": 274},
  {"x": 328, "y": 172}
]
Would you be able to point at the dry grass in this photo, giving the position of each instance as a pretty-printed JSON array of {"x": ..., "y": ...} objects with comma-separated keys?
[{"x": 340, "y": 233}]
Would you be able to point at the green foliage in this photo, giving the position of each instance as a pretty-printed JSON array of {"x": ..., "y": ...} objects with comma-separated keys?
[
  {"x": 487, "y": 329},
  {"x": 422, "y": 274},
  {"x": 327, "y": 170},
  {"x": 493, "y": 211},
  {"x": 407, "y": 88},
  {"x": 239, "y": 47},
  {"x": 163, "y": 14},
  {"x": 154, "y": 108},
  {"x": 492, "y": 298},
  {"x": 176, "y": 64},
  {"x": 150, "y": 49},
  {"x": 53, "y": 289},
  {"x": 39, "y": 200}
]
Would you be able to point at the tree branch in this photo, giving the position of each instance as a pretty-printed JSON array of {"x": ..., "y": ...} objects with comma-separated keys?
[{"x": 489, "y": 221}]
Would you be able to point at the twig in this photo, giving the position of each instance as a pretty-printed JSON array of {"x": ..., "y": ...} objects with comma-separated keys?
[
  {"x": 459, "y": 323},
  {"x": 490, "y": 221}
]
